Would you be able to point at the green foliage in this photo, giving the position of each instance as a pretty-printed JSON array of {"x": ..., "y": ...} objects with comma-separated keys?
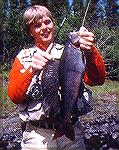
[
  {"x": 1, "y": 27},
  {"x": 112, "y": 13},
  {"x": 106, "y": 42},
  {"x": 5, "y": 103},
  {"x": 116, "y": 53},
  {"x": 14, "y": 36},
  {"x": 116, "y": 47},
  {"x": 102, "y": 19}
]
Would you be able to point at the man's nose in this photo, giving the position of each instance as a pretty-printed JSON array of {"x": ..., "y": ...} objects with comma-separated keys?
[{"x": 44, "y": 26}]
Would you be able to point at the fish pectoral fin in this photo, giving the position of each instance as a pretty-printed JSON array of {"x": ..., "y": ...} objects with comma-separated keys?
[
  {"x": 59, "y": 132},
  {"x": 69, "y": 132}
]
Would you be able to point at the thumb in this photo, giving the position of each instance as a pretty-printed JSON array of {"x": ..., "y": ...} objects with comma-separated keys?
[
  {"x": 49, "y": 48},
  {"x": 82, "y": 29}
]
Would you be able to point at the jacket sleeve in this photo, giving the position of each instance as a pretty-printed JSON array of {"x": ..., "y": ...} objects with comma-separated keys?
[
  {"x": 95, "y": 73},
  {"x": 18, "y": 83}
]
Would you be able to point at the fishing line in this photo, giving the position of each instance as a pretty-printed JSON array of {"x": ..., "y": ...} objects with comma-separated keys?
[
  {"x": 87, "y": 8},
  {"x": 62, "y": 23},
  {"x": 84, "y": 18}
]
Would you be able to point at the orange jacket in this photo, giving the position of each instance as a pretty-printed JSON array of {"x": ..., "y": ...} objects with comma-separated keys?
[{"x": 19, "y": 82}]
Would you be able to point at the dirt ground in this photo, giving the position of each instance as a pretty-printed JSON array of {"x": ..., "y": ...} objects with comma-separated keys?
[{"x": 101, "y": 126}]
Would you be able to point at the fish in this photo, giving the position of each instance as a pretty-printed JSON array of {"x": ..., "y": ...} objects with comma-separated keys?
[{"x": 72, "y": 68}]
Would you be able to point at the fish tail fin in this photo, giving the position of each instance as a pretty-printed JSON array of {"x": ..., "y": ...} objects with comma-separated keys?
[
  {"x": 65, "y": 129},
  {"x": 59, "y": 132},
  {"x": 69, "y": 132}
]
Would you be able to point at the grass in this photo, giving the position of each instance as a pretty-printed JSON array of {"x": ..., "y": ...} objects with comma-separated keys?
[
  {"x": 106, "y": 101},
  {"x": 5, "y": 103},
  {"x": 108, "y": 87}
]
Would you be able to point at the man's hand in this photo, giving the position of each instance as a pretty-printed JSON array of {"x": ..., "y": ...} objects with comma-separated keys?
[
  {"x": 39, "y": 60},
  {"x": 86, "y": 38}
]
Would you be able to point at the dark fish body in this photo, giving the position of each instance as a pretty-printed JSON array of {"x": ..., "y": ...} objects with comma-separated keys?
[
  {"x": 72, "y": 71},
  {"x": 50, "y": 79},
  {"x": 50, "y": 86},
  {"x": 72, "y": 67},
  {"x": 68, "y": 72}
]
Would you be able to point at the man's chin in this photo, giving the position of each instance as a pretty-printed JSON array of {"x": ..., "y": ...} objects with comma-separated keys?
[{"x": 47, "y": 40}]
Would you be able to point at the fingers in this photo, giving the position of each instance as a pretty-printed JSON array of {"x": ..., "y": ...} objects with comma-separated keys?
[
  {"x": 44, "y": 54},
  {"x": 49, "y": 48},
  {"x": 40, "y": 59},
  {"x": 87, "y": 41},
  {"x": 83, "y": 32},
  {"x": 38, "y": 62},
  {"x": 85, "y": 47},
  {"x": 86, "y": 34},
  {"x": 86, "y": 38}
]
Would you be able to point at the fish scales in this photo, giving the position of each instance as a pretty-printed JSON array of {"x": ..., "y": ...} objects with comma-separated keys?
[
  {"x": 50, "y": 79},
  {"x": 72, "y": 71},
  {"x": 72, "y": 68},
  {"x": 50, "y": 85}
]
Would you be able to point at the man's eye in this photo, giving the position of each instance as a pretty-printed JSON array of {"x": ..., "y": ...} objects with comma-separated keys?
[
  {"x": 38, "y": 25},
  {"x": 47, "y": 22}
]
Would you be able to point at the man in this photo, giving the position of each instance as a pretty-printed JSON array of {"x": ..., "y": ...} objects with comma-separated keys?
[{"x": 30, "y": 63}]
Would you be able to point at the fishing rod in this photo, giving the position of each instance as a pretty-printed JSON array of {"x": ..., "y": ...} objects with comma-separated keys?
[
  {"x": 84, "y": 18},
  {"x": 62, "y": 23},
  {"x": 73, "y": 35},
  {"x": 87, "y": 8}
]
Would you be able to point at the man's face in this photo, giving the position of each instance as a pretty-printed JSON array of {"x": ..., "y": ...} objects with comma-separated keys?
[{"x": 42, "y": 30}]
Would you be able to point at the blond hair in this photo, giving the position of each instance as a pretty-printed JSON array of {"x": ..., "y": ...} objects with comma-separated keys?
[{"x": 34, "y": 13}]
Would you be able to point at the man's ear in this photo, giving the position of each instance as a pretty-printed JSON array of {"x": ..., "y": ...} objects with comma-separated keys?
[{"x": 30, "y": 34}]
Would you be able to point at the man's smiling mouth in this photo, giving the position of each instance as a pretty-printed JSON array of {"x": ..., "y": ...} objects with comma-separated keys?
[{"x": 45, "y": 35}]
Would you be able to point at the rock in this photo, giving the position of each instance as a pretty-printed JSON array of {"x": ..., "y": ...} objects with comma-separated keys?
[
  {"x": 1, "y": 128},
  {"x": 3, "y": 145}
]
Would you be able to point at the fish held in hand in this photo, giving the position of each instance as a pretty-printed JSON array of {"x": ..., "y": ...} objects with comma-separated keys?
[{"x": 72, "y": 67}]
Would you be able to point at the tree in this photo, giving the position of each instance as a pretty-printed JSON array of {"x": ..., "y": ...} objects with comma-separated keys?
[
  {"x": 98, "y": 20},
  {"x": 14, "y": 36},
  {"x": 112, "y": 13},
  {"x": 1, "y": 30}
]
